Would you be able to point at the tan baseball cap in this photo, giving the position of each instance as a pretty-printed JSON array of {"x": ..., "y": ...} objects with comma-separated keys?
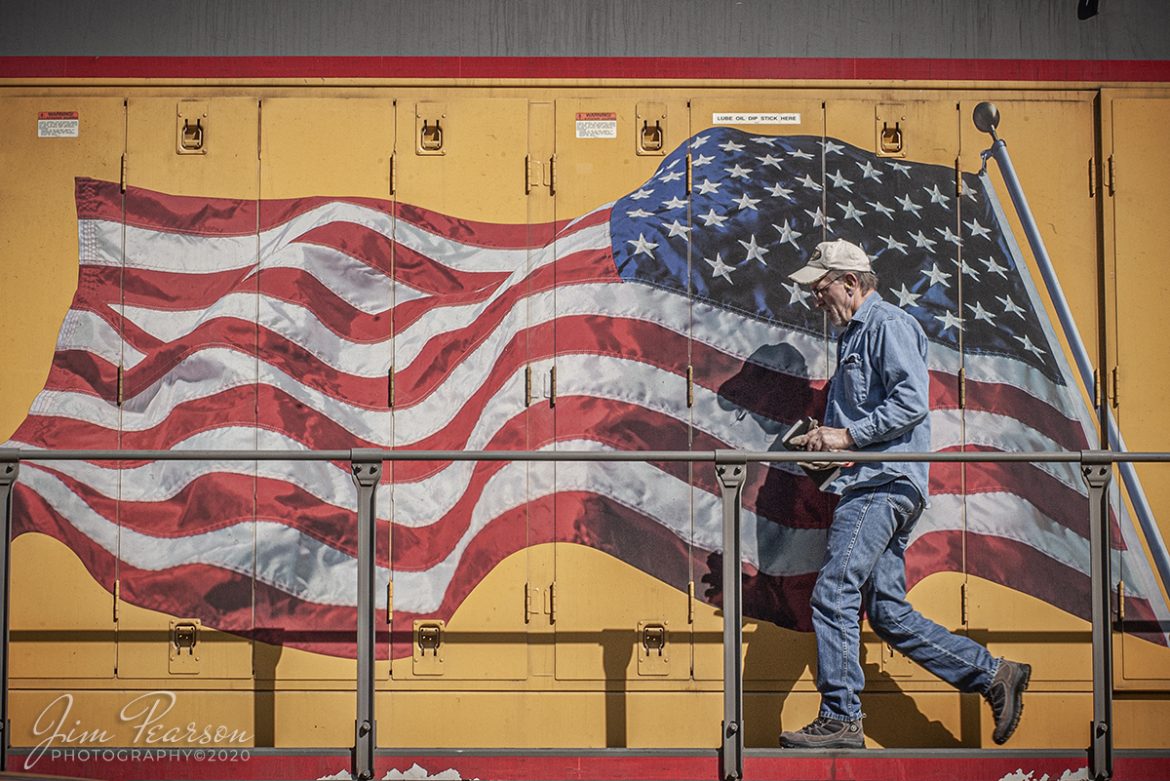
[{"x": 839, "y": 255}]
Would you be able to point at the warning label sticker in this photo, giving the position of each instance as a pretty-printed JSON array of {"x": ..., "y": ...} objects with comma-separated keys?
[
  {"x": 755, "y": 119},
  {"x": 596, "y": 124},
  {"x": 58, "y": 124}
]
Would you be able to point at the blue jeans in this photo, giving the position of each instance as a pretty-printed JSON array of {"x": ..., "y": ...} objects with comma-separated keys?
[{"x": 866, "y": 560}]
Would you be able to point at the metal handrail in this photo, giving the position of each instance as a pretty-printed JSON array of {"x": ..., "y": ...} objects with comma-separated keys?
[{"x": 731, "y": 470}]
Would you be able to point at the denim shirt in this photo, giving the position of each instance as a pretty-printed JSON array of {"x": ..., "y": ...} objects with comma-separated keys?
[{"x": 881, "y": 394}]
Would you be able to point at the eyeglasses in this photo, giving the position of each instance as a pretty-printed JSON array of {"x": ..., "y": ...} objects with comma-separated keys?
[{"x": 820, "y": 289}]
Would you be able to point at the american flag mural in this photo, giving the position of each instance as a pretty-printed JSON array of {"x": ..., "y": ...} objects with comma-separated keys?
[{"x": 274, "y": 324}]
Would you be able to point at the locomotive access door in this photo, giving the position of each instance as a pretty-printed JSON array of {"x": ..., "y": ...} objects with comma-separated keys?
[
  {"x": 1140, "y": 168},
  {"x": 890, "y": 187},
  {"x": 622, "y": 529},
  {"x": 188, "y": 529},
  {"x": 757, "y": 206},
  {"x": 62, "y": 578},
  {"x": 1027, "y": 547},
  {"x": 324, "y": 298},
  {"x": 458, "y": 548}
]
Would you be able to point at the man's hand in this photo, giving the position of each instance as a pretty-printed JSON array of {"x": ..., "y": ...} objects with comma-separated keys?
[{"x": 825, "y": 438}]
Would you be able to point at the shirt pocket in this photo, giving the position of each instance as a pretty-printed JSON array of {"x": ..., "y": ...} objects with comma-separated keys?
[{"x": 853, "y": 378}]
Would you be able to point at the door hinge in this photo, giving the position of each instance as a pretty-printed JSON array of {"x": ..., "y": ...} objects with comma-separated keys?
[
  {"x": 528, "y": 177},
  {"x": 552, "y": 386},
  {"x": 690, "y": 602},
  {"x": 690, "y": 386},
  {"x": 958, "y": 180},
  {"x": 1096, "y": 388},
  {"x": 1121, "y": 600},
  {"x": 689, "y": 182},
  {"x": 390, "y": 387},
  {"x": 390, "y": 602},
  {"x": 963, "y": 604},
  {"x": 963, "y": 387},
  {"x": 552, "y": 175},
  {"x": 1111, "y": 180},
  {"x": 1092, "y": 179},
  {"x": 1115, "y": 390},
  {"x": 122, "y": 174},
  {"x": 117, "y": 598},
  {"x": 528, "y": 385},
  {"x": 393, "y": 172},
  {"x": 121, "y": 375}
]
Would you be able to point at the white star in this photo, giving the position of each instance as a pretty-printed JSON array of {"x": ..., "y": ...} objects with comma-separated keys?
[
  {"x": 674, "y": 203},
  {"x": 701, "y": 160},
  {"x": 902, "y": 169},
  {"x": 673, "y": 176},
  {"x": 754, "y": 251},
  {"x": 853, "y": 213},
  {"x": 768, "y": 159},
  {"x": 981, "y": 313},
  {"x": 731, "y": 146},
  {"x": 937, "y": 276},
  {"x": 840, "y": 181},
  {"x": 719, "y": 268},
  {"x": 869, "y": 172},
  {"x": 738, "y": 172},
  {"x": 642, "y": 247},
  {"x": 797, "y": 294},
  {"x": 1024, "y": 340},
  {"x": 881, "y": 207},
  {"x": 892, "y": 243},
  {"x": 765, "y": 140},
  {"x": 977, "y": 229},
  {"x": 745, "y": 202},
  {"x": 831, "y": 148},
  {"x": 699, "y": 141},
  {"x": 711, "y": 218},
  {"x": 779, "y": 191},
  {"x": 674, "y": 162},
  {"x": 677, "y": 230},
  {"x": 809, "y": 183},
  {"x": 922, "y": 242},
  {"x": 949, "y": 320},
  {"x": 709, "y": 187},
  {"x": 819, "y": 218},
  {"x": 642, "y": 195},
  {"x": 639, "y": 213},
  {"x": 788, "y": 234},
  {"x": 993, "y": 267},
  {"x": 800, "y": 154},
  {"x": 906, "y": 298},
  {"x": 970, "y": 192},
  {"x": 936, "y": 195},
  {"x": 1009, "y": 306},
  {"x": 909, "y": 206},
  {"x": 968, "y": 270},
  {"x": 948, "y": 236}
]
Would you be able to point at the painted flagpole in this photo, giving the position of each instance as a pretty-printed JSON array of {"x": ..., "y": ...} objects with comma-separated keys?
[{"x": 986, "y": 118}]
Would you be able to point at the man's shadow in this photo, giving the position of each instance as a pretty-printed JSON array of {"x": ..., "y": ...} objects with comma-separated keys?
[{"x": 771, "y": 390}]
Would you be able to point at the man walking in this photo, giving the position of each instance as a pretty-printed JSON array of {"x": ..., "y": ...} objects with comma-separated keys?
[{"x": 879, "y": 402}]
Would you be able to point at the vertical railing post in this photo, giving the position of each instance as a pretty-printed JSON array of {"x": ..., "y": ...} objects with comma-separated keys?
[
  {"x": 1097, "y": 470},
  {"x": 9, "y": 469},
  {"x": 367, "y": 471},
  {"x": 731, "y": 468}
]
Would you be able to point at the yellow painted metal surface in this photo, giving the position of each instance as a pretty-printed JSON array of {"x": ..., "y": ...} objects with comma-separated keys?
[
  {"x": 1050, "y": 139},
  {"x": 1140, "y": 166},
  {"x": 516, "y": 675},
  {"x": 227, "y": 165}
]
